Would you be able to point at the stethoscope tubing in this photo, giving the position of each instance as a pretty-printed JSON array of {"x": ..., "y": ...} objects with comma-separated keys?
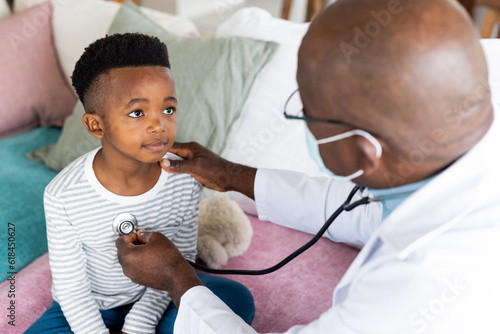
[{"x": 346, "y": 206}]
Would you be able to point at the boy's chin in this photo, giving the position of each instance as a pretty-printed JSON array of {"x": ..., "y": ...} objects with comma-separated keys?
[
  {"x": 153, "y": 158},
  {"x": 158, "y": 158}
]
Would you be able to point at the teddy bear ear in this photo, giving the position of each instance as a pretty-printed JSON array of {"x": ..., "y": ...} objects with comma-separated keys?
[
  {"x": 212, "y": 252},
  {"x": 224, "y": 230}
]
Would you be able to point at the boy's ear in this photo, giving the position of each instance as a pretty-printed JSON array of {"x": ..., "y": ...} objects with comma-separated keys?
[{"x": 93, "y": 123}]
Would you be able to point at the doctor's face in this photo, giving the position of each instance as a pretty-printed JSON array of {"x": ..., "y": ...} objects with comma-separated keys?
[
  {"x": 332, "y": 89},
  {"x": 337, "y": 154}
]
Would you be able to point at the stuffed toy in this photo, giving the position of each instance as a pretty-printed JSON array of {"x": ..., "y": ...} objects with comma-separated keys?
[{"x": 224, "y": 230}]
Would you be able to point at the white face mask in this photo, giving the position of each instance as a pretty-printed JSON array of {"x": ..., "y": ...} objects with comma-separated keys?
[{"x": 312, "y": 145}]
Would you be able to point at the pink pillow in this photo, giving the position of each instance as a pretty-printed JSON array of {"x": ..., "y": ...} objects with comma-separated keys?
[{"x": 33, "y": 90}]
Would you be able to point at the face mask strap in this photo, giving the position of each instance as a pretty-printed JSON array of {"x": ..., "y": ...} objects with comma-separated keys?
[
  {"x": 356, "y": 132},
  {"x": 348, "y": 177}
]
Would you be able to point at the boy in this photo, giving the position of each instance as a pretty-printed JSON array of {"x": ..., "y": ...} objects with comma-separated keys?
[{"x": 128, "y": 92}]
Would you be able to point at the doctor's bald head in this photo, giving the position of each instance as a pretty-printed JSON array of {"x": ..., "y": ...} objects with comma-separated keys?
[{"x": 412, "y": 73}]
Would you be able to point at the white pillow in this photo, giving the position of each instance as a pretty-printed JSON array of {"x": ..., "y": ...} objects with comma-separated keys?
[
  {"x": 4, "y": 10},
  {"x": 77, "y": 23},
  {"x": 262, "y": 137},
  {"x": 491, "y": 48}
]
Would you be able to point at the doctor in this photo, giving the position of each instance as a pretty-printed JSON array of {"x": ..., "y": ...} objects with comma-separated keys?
[{"x": 396, "y": 94}]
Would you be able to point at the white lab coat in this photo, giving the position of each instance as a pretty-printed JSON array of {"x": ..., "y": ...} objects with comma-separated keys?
[{"x": 432, "y": 266}]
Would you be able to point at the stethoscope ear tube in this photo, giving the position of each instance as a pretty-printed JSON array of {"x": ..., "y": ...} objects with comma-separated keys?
[{"x": 346, "y": 206}]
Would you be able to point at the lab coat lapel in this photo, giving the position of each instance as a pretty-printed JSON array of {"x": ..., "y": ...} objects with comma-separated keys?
[
  {"x": 445, "y": 203},
  {"x": 463, "y": 187}
]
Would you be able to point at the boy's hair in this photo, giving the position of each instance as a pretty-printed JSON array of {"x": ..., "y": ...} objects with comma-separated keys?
[{"x": 114, "y": 51}]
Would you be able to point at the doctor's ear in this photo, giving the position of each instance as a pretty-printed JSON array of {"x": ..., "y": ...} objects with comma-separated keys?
[
  {"x": 93, "y": 123},
  {"x": 371, "y": 153}
]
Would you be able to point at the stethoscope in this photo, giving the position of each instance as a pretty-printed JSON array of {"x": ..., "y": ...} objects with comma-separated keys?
[{"x": 126, "y": 223}]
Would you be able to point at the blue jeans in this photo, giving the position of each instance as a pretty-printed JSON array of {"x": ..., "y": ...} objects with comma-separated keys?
[{"x": 233, "y": 293}]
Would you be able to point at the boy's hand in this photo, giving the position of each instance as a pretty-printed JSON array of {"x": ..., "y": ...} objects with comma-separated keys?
[
  {"x": 151, "y": 259},
  {"x": 211, "y": 170}
]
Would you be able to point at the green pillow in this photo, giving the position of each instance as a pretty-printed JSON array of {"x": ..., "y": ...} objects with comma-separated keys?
[
  {"x": 73, "y": 142},
  {"x": 213, "y": 77}
]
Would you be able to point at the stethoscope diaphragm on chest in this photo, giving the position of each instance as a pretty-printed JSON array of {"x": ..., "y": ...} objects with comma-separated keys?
[{"x": 125, "y": 224}]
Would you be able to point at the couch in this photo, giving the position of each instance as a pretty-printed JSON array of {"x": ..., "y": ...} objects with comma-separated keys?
[
  {"x": 40, "y": 132},
  {"x": 40, "y": 45}
]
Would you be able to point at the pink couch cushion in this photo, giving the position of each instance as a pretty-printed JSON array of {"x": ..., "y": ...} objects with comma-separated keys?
[
  {"x": 299, "y": 292},
  {"x": 32, "y": 297},
  {"x": 296, "y": 294},
  {"x": 33, "y": 90}
]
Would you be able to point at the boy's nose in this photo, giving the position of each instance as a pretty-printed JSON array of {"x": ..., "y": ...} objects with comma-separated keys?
[{"x": 156, "y": 125}]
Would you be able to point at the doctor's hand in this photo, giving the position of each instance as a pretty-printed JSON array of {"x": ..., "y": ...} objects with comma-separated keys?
[
  {"x": 211, "y": 170},
  {"x": 151, "y": 259}
]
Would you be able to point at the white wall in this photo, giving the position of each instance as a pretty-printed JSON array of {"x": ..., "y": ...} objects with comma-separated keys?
[
  {"x": 199, "y": 8},
  {"x": 210, "y": 10},
  {"x": 208, "y": 14},
  {"x": 188, "y": 8}
]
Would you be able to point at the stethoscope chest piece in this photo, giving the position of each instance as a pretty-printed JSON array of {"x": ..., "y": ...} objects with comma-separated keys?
[{"x": 124, "y": 224}]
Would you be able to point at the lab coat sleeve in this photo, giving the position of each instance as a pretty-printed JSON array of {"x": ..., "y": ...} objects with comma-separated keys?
[
  {"x": 394, "y": 298},
  {"x": 202, "y": 312},
  {"x": 301, "y": 202}
]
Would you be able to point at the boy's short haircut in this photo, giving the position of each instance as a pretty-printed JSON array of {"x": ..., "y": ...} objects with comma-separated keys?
[{"x": 114, "y": 51}]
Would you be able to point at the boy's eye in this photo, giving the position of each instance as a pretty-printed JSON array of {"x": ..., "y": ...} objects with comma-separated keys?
[
  {"x": 169, "y": 111},
  {"x": 136, "y": 113}
]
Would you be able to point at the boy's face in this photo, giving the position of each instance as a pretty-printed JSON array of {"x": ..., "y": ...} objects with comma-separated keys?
[{"x": 139, "y": 120}]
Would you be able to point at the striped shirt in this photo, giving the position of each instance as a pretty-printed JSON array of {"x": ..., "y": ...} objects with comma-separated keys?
[{"x": 86, "y": 273}]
